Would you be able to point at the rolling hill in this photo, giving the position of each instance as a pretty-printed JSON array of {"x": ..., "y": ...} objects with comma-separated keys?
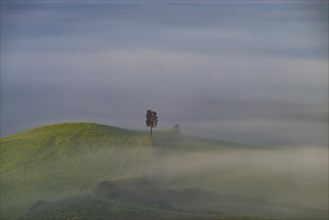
[{"x": 51, "y": 172}]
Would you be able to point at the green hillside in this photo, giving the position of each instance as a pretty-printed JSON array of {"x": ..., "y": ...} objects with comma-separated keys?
[
  {"x": 53, "y": 160},
  {"x": 56, "y": 159},
  {"x": 61, "y": 165}
]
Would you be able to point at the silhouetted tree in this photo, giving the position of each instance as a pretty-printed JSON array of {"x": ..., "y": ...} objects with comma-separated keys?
[{"x": 151, "y": 120}]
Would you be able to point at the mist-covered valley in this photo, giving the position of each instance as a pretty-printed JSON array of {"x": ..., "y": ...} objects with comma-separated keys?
[{"x": 288, "y": 177}]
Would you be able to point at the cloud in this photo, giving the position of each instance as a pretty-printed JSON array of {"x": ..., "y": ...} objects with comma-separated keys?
[
  {"x": 282, "y": 30},
  {"x": 207, "y": 75}
]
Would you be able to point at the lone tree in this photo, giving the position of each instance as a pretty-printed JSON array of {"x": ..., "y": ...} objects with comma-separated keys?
[{"x": 151, "y": 120}]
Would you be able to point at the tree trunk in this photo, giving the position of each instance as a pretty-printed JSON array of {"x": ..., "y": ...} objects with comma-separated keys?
[{"x": 151, "y": 130}]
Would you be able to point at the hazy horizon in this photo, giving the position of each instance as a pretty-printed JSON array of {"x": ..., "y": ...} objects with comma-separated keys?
[{"x": 246, "y": 71}]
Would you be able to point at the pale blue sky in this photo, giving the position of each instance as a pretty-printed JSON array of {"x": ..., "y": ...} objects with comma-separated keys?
[{"x": 247, "y": 71}]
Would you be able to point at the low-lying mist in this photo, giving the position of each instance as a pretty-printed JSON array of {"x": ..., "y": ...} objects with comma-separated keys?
[{"x": 286, "y": 176}]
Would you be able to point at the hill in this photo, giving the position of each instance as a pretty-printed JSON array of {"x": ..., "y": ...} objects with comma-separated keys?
[
  {"x": 54, "y": 170},
  {"x": 56, "y": 159},
  {"x": 52, "y": 160}
]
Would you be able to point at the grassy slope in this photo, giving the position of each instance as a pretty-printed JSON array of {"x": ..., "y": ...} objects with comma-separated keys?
[
  {"x": 54, "y": 160},
  {"x": 47, "y": 161}
]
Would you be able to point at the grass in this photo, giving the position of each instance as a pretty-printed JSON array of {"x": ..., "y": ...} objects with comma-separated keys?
[{"x": 56, "y": 159}]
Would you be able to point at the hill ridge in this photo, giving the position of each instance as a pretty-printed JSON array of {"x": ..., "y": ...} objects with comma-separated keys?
[{"x": 79, "y": 126}]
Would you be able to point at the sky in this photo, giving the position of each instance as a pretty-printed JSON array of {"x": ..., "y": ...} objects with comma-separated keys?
[{"x": 246, "y": 71}]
